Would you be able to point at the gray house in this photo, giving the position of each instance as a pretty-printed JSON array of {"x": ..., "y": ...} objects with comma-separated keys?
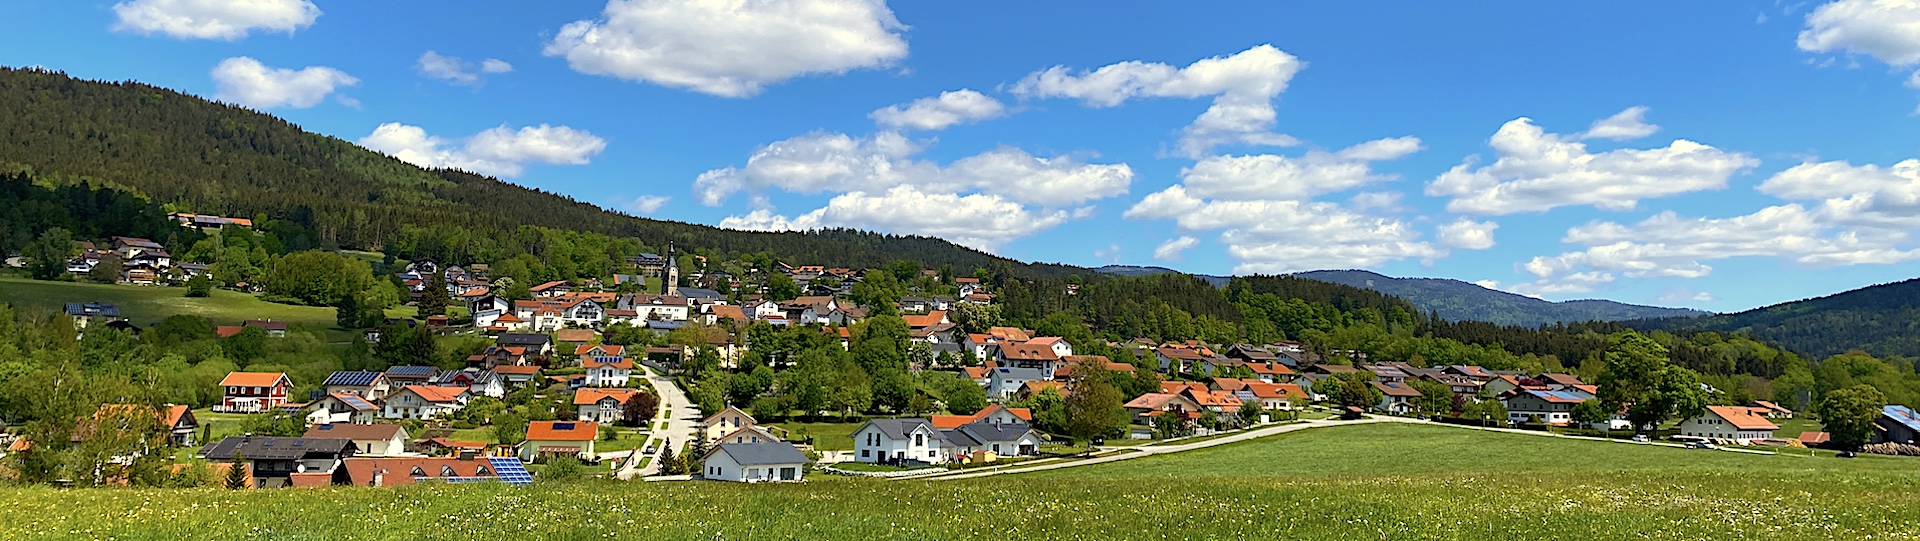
[{"x": 755, "y": 463}]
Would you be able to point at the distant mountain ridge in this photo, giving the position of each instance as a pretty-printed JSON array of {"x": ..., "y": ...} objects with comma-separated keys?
[
  {"x": 1455, "y": 300},
  {"x": 1882, "y": 320},
  {"x": 1133, "y": 270}
]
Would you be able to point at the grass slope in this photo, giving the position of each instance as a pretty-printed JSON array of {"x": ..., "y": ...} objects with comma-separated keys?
[
  {"x": 145, "y": 306},
  {"x": 1360, "y": 482}
]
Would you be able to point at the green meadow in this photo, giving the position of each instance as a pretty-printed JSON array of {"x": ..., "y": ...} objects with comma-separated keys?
[{"x": 1382, "y": 481}]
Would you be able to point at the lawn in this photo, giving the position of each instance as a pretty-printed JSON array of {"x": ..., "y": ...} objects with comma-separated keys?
[
  {"x": 146, "y": 305},
  {"x": 826, "y": 436},
  {"x": 1382, "y": 481}
]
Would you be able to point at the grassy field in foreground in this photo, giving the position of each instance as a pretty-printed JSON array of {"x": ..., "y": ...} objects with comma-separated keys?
[
  {"x": 146, "y": 305},
  {"x": 1358, "y": 482}
]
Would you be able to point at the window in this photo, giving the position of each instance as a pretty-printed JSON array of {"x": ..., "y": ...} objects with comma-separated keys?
[
  {"x": 417, "y": 472},
  {"x": 864, "y": 453},
  {"x": 919, "y": 439},
  {"x": 932, "y": 453},
  {"x": 447, "y": 471}
]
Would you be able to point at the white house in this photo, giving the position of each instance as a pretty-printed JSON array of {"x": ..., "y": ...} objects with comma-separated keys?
[
  {"x": 368, "y": 439},
  {"x": 726, "y": 422},
  {"x": 755, "y": 463},
  {"x": 608, "y": 371},
  {"x": 1551, "y": 407},
  {"x": 1003, "y": 383},
  {"x": 342, "y": 408},
  {"x": 368, "y": 385},
  {"x": 751, "y": 434},
  {"x": 559, "y": 438},
  {"x": 1001, "y": 439},
  {"x": 898, "y": 440},
  {"x": 1737, "y": 423},
  {"x": 603, "y": 405},
  {"x": 424, "y": 402},
  {"x": 656, "y": 307}
]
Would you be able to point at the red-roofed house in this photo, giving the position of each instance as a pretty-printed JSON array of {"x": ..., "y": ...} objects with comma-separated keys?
[
  {"x": 552, "y": 438},
  {"x": 1736, "y": 423},
  {"x": 1045, "y": 354},
  {"x": 253, "y": 392},
  {"x": 397, "y": 472},
  {"x": 1150, "y": 405},
  {"x": 603, "y": 405},
  {"x": 424, "y": 402}
]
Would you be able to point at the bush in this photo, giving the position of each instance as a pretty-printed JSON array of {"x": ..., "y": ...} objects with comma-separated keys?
[{"x": 561, "y": 468}]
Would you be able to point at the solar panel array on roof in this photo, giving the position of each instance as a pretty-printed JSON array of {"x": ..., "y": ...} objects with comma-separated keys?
[
  {"x": 351, "y": 378},
  {"x": 511, "y": 471},
  {"x": 563, "y": 426},
  {"x": 355, "y": 402},
  {"x": 415, "y": 371}
]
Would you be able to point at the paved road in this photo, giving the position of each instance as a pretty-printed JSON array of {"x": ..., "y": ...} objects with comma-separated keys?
[
  {"x": 1133, "y": 452},
  {"x": 681, "y": 423}
]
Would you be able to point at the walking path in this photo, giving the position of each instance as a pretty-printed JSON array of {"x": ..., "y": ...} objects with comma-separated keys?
[
  {"x": 1133, "y": 452},
  {"x": 682, "y": 417}
]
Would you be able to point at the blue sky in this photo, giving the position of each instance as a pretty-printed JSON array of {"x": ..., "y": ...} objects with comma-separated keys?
[{"x": 1713, "y": 155}]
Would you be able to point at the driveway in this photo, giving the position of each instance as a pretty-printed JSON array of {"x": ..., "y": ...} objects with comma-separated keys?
[
  {"x": 1133, "y": 452},
  {"x": 682, "y": 418}
]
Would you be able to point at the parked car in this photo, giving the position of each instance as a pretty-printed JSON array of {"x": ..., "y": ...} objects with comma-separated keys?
[
  {"x": 1641, "y": 438},
  {"x": 1700, "y": 445}
]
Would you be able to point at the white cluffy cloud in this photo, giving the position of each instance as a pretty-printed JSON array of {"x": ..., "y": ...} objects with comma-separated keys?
[
  {"x": 646, "y": 204},
  {"x": 1859, "y": 215},
  {"x": 980, "y": 221},
  {"x": 937, "y": 113},
  {"x": 499, "y": 151},
  {"x": 1172, "y": 248},
  {"x": 1537, "y": 171},
  {"x": 730, "y": 48},
  {"x": 245, "y": 81},
  {"x": 981, "y": 200},
  {"x": 1467, "y": 234},
  {"x": 835, "y": 162},
  {"x": 1885, "y": 29},
  {"x": 1261, "y": 206},
  {"x": 213, "y": 19},
  {"x": 1243, "y": 87},
  {"x": 454, "y": 70}
]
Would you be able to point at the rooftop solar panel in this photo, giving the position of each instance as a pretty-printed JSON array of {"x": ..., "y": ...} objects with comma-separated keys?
[
  {"x": 351, "y": 378},
  {"x": 355, "y": 402},
  {"x": 510, "y": 470},
  {"x": 563, "y": 426}
]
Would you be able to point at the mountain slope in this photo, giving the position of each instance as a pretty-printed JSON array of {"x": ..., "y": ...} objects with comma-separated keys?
[
  {"x": 1132, "y": 270},
  {"x": 1455, "y": 300},
  {"x": 1883, "y": 320},
  {"x": 213, "y": 158}
]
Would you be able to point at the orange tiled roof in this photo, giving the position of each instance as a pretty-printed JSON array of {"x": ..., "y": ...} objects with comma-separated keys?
[
  {"x": 593, "y": 395},
  {"x": 437, "y": 394},
  {"x": 252, "y": 379},
  {"x": 547, "y": 431},
  {"x": 1742, "y": 418}
]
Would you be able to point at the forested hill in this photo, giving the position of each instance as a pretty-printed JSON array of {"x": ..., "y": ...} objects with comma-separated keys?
[
  {"x": 1455, "y": 300},
  {"x": 1882, "y": 320},
  {"x": 214, "y": 158}
]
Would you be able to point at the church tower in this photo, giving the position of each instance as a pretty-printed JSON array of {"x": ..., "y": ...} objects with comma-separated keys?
[{"x": 672, "y": 272}]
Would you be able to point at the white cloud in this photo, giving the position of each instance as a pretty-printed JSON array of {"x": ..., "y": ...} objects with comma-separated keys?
[
  {"x": 1172, "y": 248},
  {"x": 498, "y": 151},
  {"x": 1270, "y": 236},
  {"x": 213, "y": 19},
  {"x": 1489, "y": 284},
  {"x": 835, "y": 162},
  {"x": 979, "y": 221},
  {"x": 1267, "y": 176},
  {"x": 731, "y": 48},
  {"x": 645, "y": 204},
  {"x": 1681, "y": 295},
  {"x": 1538, "y": 171},
  {"x": 1384, "y": 201},
  {"x": 1467, "y": 234},
  {"x": 937, "y": 113},
  {"x": 1668, "y": 245},
  {"x": 1626, "y": 125},
  {"x": 1110, "y": 254},
  {"x": 1885, "y": 29},
  {"x": 245, "y": 81},
  {"x": 454, "y": 70},
  {"x": 1243, "y": 87}
]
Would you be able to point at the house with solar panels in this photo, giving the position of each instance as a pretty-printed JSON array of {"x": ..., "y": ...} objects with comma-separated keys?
[
  {"x": 546, "y": 439},
  {"x": 368, "y": 439},
  {"x": 424, "y": 402},
  {"x": 368, "y": 385},
  {"x": 342, "y": 408},
  {"x": 1552, "y": 407},
  {"x": 400, "y": 376},
  {"x": 279, "y": 461},
  {"x": 396, "y": 472}
]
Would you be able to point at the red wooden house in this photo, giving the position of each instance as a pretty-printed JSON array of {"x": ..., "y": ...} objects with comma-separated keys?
[{"x": 253, "y": 392}]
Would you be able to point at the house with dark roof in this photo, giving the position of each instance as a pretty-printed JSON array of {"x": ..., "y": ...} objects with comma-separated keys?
[
  {"x": 1395, "y": 397},
  {"x": 763, "y": 462},
  {"x": 364, "y": 384},
  {"x": 1003, "y": 383},
  {"x": 86, "y": 313},
  {"x": 368, "y": 439},
  {"x": 898, "y": 441},
  {"x": 276, "y": 461},
  {"x": 399, "y": 376},
  {"x": 342, "y": 408},
  {"x": 537, "y": 344},
  {"x": 981, "y": 441}
]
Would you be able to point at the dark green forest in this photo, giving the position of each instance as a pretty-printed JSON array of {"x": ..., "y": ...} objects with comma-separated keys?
[
  {"x": 204, "y": 157},
  {"x": 1461, "y": 301},
  {"x": 1882, "y": 320}
]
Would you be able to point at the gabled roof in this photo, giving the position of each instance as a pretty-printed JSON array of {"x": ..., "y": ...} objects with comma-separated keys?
[
  {"x": 1815, "y": 438},
  {"x": 1010, "y": 334},
  {"x": 548, "y": 285},
  {"x": 395, "y": 472},
  {"x": 1018, "y": 373},
  {"x": 988, "y": 433},
  {"x": 275, "y": 447},
  {"x": 899, "y": 428},
  {"x": 252, "y": 379},
  {"x": 1901, "y": 414},
  {"x": 1561, "y": 379},
  {"x": 1177, "y": 387},
  {"x": 927, "y": 320},
  {"x": 438, "y": 395},
  {"x": 1155, "y": 401},
  {"x": 728, "y": 311},
  {"x": 523, "y": 339},
  {"x": 411, "y": 372},
  {"x": 562, "y": 431},
  {"x": 351, "y": 379},
  {"x": 761, "y": 454},
  {"x": 1742, "y": 418},
  {"x": 574, "y": 335},
  {"x": 355, "y": 431},
  {"x": 609, "y": 349},
  {"x": 1285, "y": 391},
  {"x": 1396, "y": 389},
  {"x": 593, "y": 395},
  {"x": 516, "y": 370},
  {"x": 977, "y": 372},
  {"x": 1030, "y": 351},
  {"x": 354, "y": 401},
  {"x": 1557, "y": 397},
  {"x": 731, "y": 411}
]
